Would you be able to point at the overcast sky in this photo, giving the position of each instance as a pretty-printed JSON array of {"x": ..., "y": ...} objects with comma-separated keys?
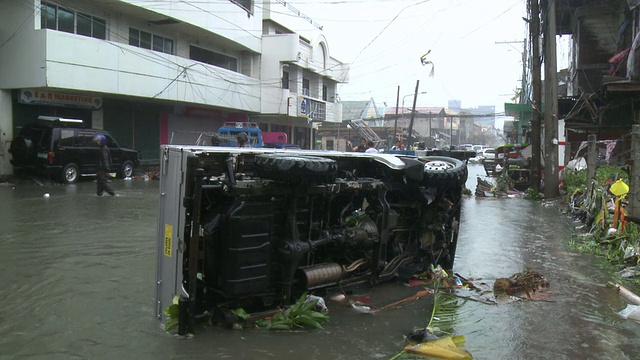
[{"x": 476, "y": 48}]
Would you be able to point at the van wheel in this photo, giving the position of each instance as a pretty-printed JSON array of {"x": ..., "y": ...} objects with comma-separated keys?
[
  {"x": 70, "y": 173},
  {"x": 126, "y": 170}
]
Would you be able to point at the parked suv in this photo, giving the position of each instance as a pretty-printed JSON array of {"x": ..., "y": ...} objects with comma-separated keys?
[{"x": 64, "y": 150}]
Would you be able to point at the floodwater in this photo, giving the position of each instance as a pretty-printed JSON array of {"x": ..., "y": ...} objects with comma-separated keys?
[{"x": 78, "y": 281}]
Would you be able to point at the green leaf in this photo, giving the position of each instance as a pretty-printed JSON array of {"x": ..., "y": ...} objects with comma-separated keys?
[
  {"x": 172, "y": 311},
  {"x": 279, "y": 327},
  {"x": 319, "y": 315},
  {"x": 240, "y": 313},
  {"x": 171, "y": 324},
  {"x": 308, "y": 321}
]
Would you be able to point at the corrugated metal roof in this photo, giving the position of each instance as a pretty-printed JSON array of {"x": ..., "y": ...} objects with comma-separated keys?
[
  {"x": 421, "y": 110},
  {"x": 352, "y": 110}
]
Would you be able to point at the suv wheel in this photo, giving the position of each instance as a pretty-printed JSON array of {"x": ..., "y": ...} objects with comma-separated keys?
[
  {"x": 126, "y": 170},
  {"x": 440, "y": 170},
  {"x": 70, "y": 173},
  {"x": 296, "y": 168}
]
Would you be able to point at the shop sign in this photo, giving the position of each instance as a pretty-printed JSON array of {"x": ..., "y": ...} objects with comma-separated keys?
[
  {"x": 52, "y": 98},
  {"x": 312, "y": 109}
]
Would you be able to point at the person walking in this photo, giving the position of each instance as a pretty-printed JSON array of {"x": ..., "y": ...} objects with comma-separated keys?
[
  {"x": 371, "y": 148},
  {"x": 362, "y": 147},
  {"x": 215, "y": 139},
  {"x": 242, "y": 140},
  {"x": 104, "y": 167}
]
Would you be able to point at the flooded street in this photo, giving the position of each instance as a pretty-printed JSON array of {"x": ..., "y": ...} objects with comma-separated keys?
[
  {"x": 579, "y": 321},
  {"x": 79, "y": 279}
]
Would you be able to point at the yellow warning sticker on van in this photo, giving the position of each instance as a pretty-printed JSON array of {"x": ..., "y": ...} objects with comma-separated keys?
[{"x": 168, "y": 239}]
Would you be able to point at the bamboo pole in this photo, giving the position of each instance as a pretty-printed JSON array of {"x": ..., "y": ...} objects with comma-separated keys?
[{"x": 626, "y": 293}]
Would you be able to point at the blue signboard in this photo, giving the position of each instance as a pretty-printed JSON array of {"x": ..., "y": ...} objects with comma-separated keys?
[{"x": 304, "y": 106}]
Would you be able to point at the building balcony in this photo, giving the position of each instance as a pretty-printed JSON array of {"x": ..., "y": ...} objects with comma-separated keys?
[{"x": 58, "y": 60}]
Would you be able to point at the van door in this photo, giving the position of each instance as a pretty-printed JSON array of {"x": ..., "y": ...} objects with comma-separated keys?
[
  {"x": 88, "y": 152},
  {"x": 64, "y": 142}
]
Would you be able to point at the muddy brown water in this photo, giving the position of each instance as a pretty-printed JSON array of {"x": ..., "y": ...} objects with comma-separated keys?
[{"x": 78, "y": 274}]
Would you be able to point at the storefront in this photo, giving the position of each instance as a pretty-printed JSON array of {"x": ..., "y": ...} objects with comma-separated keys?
[{"x": 134, "y": 125}]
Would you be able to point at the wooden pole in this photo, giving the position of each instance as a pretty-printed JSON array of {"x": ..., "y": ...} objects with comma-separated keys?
[
  {"x": 592, "y": 156},
  {"x": 395, "y": 126},
  {"x": 634, "y": 175},
  {"x": 625, "y": 293},
  {"x": 551, "y": 103},
  {"x": 536, "y": 84},
  {"x": 413, "y": 115}
]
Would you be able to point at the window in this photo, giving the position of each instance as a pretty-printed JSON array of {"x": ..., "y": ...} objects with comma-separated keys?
[
  {"x": 67, "y": 138},
  {"x": 58, "y": 18},
  {"x": 245, "y": 4},
  {"x": 91, "y": 26},
  {"x": 110, "y": 142},
  {"x": 324, "y": 92},
  {"x": 85, "y": 139},
  {"x": 65, "y": 20},
  {"x": 145, "y": 40},
  {"x": 213, "y": 58},
  {"x": 305, "y": 87},
  {"x": 329, "y": 145},
  {"x": 285, "y": 79}
]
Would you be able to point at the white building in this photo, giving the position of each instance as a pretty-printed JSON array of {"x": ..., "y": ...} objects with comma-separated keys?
[{"x": 156, "y": 72}]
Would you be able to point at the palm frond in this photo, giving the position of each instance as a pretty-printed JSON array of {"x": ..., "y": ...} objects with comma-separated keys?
[{"x": 445, "y": 311}]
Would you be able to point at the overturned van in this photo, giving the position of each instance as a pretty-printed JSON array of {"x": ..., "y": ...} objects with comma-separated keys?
[{"x": 255, "y": 228}]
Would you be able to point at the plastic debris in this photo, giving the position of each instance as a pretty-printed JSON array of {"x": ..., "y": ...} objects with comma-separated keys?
[
  {"x": 438, "y": 273},
  {"x": 320, "y": 305},
  {"x": 629, "y": 272},
  {"x": 443, "y": 348},
  {"x": 364, "y": 309},
  {"x": 631, "y": 312}
]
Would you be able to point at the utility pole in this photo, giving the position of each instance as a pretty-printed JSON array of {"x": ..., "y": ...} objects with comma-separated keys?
[
  {"x": 536, "y": 83},
  {"x": 550, "y": 102},
  {"x": 413, "y": 114},
  {"x": 523, "y": 93},
  {"x": 395, "y": 126},
  {"x": 523, "y": 86}
]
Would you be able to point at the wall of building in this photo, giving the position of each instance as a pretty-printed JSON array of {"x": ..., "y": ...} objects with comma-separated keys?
[
  {"x": 140, "y": 89},
  {"x": 222, "y": 18}
]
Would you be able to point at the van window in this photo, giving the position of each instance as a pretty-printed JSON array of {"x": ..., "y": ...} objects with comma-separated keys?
[{"x": 66, "y": 138}]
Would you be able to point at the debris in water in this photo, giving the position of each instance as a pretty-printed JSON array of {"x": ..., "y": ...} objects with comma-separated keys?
[{"x": 528, "y": 282}]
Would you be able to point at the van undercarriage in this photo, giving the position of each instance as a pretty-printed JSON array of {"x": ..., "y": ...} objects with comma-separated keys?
[{"x": 256, "y": 228}]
